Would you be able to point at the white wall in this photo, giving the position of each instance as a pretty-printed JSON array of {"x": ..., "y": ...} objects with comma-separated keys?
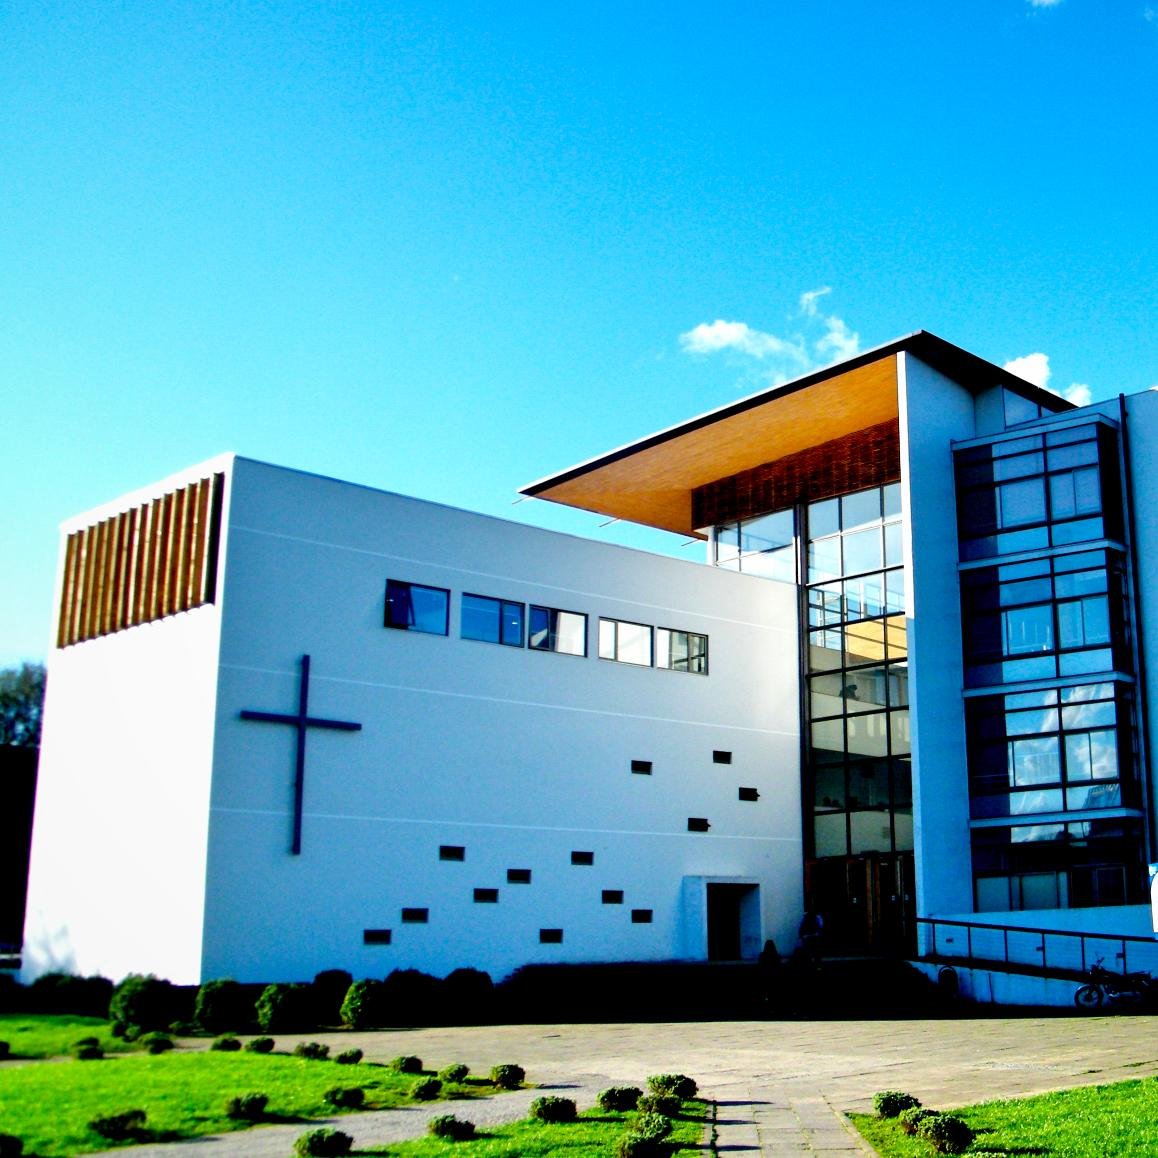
[
  {"x": 117, "y": 869},
  {"x": 520, "y": 756},
  {"x": 934, "y": 411}
]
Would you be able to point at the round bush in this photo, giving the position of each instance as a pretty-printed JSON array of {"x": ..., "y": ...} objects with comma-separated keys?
[
  {"x": 508, "y": 1077},
  {"x": 676, "y": 1085},
  {"x": 889, "y": 1103},
  {"x": 87, "y": 1052},
  {"x": 654, "y": 1126},
  {"x": 666, "y": 1104},
  {"x": 323, "y": 1143},
  {"x": 143, "y": 1000},
  {"x": 227, "y": 1043},
  {"x": 349, "y": 1057},
  {"x": 620, "y": 1098},
  {"x": 247, "y": 1107},
  {"x": 346, "y": 1097},
  {"x": 129, "y": 1124},
  {"x": 412, "y": 997},
  {"x": 364, "y": 1006},
  {"x": 406, "y": 1063},
  {"x": 157, "y": 1042},
  {"x": 553, "y": 1109},
  {"x": 312, "y": 1050},
  {"x": 10, "y": 1146},
  {"x": 946, "y": 1133},
  {"x": 633, "y": 1145},
  {"x": 221, "y": 1006},
  {"x": 451, "y": 1128},
  {"x": 285, "y": 1009},
  {"x": 260, "y": 1045},
  {"x": 454, "y": 1073},
  {"x": 66, "y": 993},
  {"x": 910, "y": 1119},
  {"x": 426, "y": 1089},
  {"x": 327, "y": 992}
]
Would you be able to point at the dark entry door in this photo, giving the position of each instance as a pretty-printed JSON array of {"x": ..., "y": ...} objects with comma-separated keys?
[
  {"x": 867, "y": 902},
  {"x": 724, "y": 921}
]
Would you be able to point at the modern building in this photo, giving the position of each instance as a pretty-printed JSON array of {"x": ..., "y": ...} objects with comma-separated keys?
[{"x": 295, "y": 724}]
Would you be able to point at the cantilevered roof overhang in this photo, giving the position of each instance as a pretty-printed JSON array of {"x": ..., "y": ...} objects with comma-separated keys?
[{"x": 651, "y": 481}]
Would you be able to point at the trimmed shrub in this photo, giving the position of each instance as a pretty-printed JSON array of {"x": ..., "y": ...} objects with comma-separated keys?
[
  {"x": 83, "y": 1041},
  {"x": 677, "y": 1085},
  {"x": 450, "y": 1128},
  {"x": 349, "y": 1057},
  {"x": 633, "y": 1145},
  {"x": 226, "y": 1043},
  {"x": 157, "y": 1042},
  {"x": 327, "y": 993},
  {"x": 621, "y": 1098},
  {"x": 508, "y": 1077},
  {"x": 454, "y": 1073},
  {"x": 143, "y": 1000},
  {"x": 64, "y": 993},
  {"x": 87, "y": 1050},
  {"x": 247, "y": 1107},
  {"x": 889, "y": 1103},
  {"x": 910, "y": 1119},
  {"x": 364, "y": 1006},
  {"x": 426, "y": 1090},
  {"x": 666, "y": 1104},
  {"x": 221, "y": 1006},
  {"x": 946, "y": 1133},
  {"x": 10, "y": 1146},
  {"x": 312, "y": 1050},
  {"x": 411, "y": 996},
  {"x": 5, "y": 1049},
  {"x": 346, "y": 1097},
  {"x": 183, "y": 1028},
  {"x": 323, "y": 1143},
  {"x": 468, "y": 995},
  {"x": 285, "y": 1009},
  {"x": 129, "y": 1125},
  {"x": 654, "y": 1126},
  {"x": 406, "y": 1063},
  {"x": 260, "y": 1045},
  {"x": 553, "y": 1109}
]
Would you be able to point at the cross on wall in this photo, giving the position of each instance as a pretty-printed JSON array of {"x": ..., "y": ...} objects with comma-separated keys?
[{"x": 301, "y": 722}]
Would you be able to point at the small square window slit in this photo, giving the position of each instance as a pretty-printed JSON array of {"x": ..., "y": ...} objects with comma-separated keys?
[
  {"x": 550, "y": 936},
  {"x": 518, "y": 876},
  {"x": 377, "y": 936},
  {"x": 721, "y": 757},
  {"x": 581, "y": 857},
  {"x": 415, "y": 916},
  {"x": 641, "y": 916},
  {"x": 749, "y": 794},
  {"x": 486, "y": 896},
  {"x": 613, "y": 896},
  {"x": 698, "y": 824},
  {"x": 451, "y": 852},
  {"x": 641, "y": 767}
]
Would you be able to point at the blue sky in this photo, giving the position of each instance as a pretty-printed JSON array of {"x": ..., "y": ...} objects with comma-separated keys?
[{"x": 445, "y": 249}]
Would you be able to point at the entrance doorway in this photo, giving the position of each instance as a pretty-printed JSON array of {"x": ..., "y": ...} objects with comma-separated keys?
[
  {"x": 868, "y": 902},
  {"x": 733, "y": 921}
]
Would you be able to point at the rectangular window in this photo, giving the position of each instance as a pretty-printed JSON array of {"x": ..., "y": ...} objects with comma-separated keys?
[
  {"x": 376, "y": 936},
  {"x": 625, "y": 642},
  {"x": 721, "y": 757},
  {"x": 415, "y": 607},
  {"x": 583, "y": 858},
  {"x": 451, "y": 852},
  {"x": 641, "y": 767},
  {"x": 613, "y": 896},
  {"x": 415, "y": 916},
  {"x": 641, "y": 916},
  {"x": 681, "y": 650},
  {"x": 550, "y": 936},
  {"x": 486, "y": 896},
  {"x": 492, "y": 620},
  {"x": 749, "y": 794},
  {"x": 554, "y": 630},
  {"x": 698, "y": 824},
  {"x": 518, "y": 876}
]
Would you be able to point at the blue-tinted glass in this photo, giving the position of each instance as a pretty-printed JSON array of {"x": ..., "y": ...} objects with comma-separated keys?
[
  {"x": 1032, "y": 722},
  {"x": 1021, "y": 502},
  {"x": 1019, "y": 466},
  {"x": 860, "y": 509},
  {"x": 1080, "y": 583},
  {"x": 893, "y": 555},
  {"x": 1079, "y": 531},
  {"x": 823, "y": 518},
  {"x": 895, "y": 591},
  {"x": 1037, "y": 668},
  {"x": 481, "y": 618},
  {"x": 862, "y": 551},
  {"x": 1086, "y": 662},
  {"x": 1094, "y": 796},
  {"x": 891, "y": 497},
  {"x": 512, "y": 629},
  {"x": 727, "y": 541},
  {"x": 824, "y": 605},
  {"x": 1077, "y": 454},
  {"x": 824, "y": 559},
  {"x": 1018, "y": 409},
  {"x": 768, "y": 532},
  {"x": 1096, "y": 715},
  {"x": 416, "y": 608},
  {"x": 864, "y": 597},
  {"x": 1025, "y": 591},
  {"x": 1031, "y": 540},
  {"x": 1028, "y": 629}
]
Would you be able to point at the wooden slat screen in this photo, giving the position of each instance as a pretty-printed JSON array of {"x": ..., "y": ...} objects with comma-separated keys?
[{"x": 144, "y": 564}]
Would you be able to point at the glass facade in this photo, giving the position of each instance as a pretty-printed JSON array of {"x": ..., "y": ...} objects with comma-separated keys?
[{"x": 1054, "y": 795}]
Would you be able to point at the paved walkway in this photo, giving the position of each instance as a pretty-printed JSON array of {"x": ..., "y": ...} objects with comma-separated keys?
[{"x": 782, "y": 1087}]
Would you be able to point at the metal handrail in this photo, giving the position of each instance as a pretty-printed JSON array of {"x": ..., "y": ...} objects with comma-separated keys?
[{"x": 1124, "y": 940}]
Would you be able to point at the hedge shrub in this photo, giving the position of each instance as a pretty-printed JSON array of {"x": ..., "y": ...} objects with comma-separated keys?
[
  {"x": 323, "y": 1143},
  {"x": 126, "y": 1126},
  {"x": 65, "y": 993},
  {"x": 454, "y": 1073},
  {"x": 508, "y": 1077},
  {"x": 285, "y": 1009},
  {"x": 247, "y": 1107},
  {"x": 346, "y": 1097},
  {"x": 260, "y": 1045},
  {"x": 426, "y": 1089},
  {"x": 349, "y": 1057},
  {"x": 143, "y": 1000},
  {"x": 312, "y": 1050},
  {"x": 5, "y": 1050},
  {"x": 654, "y": 1126},
  {"x": 226, "y": 1043},
  {"x": 889, "y": 1103},
  {"x": 364, "y": 1006},
  {"x": 621, "y": 1098},
  {"x": 550, "y": 1109},
  {"x": 87, "y": 1050},
  {"x": 221, "y": 1006},
  {"x": 676, "y": 1085},
  {"x": 910, "y": 1119},
  {"x": 666, "y": 1104},
  {"x": 451, "y": 1128},
  {"x": 406, "y": 1063},
  {"x": 327, "y": 992},
  {"x": 11, "y": 1146},
  {"x": 157, "y": 1043},
  {"x": 946, "y": 1133}
]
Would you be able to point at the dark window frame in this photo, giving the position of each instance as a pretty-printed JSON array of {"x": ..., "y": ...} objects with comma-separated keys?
[{"x": 399, "y": 606}]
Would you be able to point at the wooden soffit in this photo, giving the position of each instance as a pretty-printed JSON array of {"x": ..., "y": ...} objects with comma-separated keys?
[{"x": 651, "y": 482}]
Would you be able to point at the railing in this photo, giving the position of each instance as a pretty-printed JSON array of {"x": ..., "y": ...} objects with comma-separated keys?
[{"x": 1042, "y": 950}]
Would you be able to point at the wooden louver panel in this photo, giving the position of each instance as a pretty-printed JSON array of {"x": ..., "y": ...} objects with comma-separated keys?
[{"x": 144, "y": 564}]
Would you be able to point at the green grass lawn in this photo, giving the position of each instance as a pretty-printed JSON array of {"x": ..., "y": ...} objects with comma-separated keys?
[
  {"x": 595, "y": 1133},
  {"x": 1101, "y": 1121},
  {"x": 50, "y": 1035},
  {"x": 49, "y": 1104}
]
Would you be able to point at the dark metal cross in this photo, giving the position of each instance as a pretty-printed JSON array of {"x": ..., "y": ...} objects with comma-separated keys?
[{"x": 301, "y": 722}]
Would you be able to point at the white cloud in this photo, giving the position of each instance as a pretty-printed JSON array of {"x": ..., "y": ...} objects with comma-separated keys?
[
  {"x": 1033, "y": 368},
  {"x": 808, "y": 300},
  {"x": 739, "y": 336},
  {"x": 1044, "y": 3},
  {"x": 1079, "y": 394},
  {"x": 839, "y": 341}
]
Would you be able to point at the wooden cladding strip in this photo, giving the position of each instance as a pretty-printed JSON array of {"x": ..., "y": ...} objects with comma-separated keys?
[
  {"x": 866, "y": 458},
  {"x": 143, "y": 564}
]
